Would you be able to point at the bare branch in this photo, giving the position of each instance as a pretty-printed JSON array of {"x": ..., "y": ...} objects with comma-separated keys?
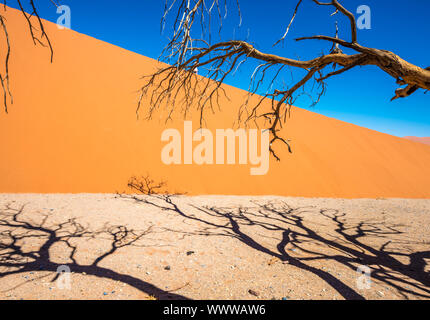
[
  {"x": 347, "y": 13},
  {"x": 178, "y": 87},
  {"x": 38, "y": 36},
  {"x": 5, "y": 82},
  {"x": 289, "y": 25}
]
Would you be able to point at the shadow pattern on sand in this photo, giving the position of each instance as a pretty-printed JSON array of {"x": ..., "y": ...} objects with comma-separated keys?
[
  {"x": 17, "y": 231},
  {"x": 347, "y": 240},
  {"x": 291, "y": 228}
]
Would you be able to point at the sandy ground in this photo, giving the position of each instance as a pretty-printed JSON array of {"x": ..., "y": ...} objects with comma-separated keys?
[{"x": 212, "y": 247}]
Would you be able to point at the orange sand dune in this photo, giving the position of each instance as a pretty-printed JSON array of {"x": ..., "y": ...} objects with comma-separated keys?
[
  {"x": 425, "y": 140},
  {"x": 73, "y": 128}
]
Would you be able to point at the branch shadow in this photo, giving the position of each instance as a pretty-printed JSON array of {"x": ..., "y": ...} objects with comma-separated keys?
[
  {"x": 291, "y": 227},
  {"x": 17, "y": 231}
]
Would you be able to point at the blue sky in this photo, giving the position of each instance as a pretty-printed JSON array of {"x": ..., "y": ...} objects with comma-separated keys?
[{"x": 361, "y": 96}]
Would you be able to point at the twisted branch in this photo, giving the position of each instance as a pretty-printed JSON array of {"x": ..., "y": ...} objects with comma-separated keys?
[
  {"x": 197, "y": 68},
  {"x": 38, "y": 36}
]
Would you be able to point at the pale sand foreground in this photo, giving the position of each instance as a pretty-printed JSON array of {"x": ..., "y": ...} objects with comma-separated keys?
[{"x": 212, "y": 247}]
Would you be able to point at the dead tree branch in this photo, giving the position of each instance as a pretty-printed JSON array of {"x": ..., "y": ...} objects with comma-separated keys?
[
  {"x": 197, "y": 68},
  {"x": 38, "y": 36}
]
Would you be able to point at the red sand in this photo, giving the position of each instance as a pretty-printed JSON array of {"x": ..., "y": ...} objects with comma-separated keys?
[
  {"x": 73, "y": 128},
  {"x": 425, "y": 140}
]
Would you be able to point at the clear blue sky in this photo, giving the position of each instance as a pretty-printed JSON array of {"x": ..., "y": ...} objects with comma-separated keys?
[{"x": 361, "y": 96}]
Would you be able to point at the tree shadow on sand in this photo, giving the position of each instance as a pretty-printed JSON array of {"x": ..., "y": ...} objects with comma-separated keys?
[
  {"x": 18, "y": 231},
  {"x": 347, "y": 241}
]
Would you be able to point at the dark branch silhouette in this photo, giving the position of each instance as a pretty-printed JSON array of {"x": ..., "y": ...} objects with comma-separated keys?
[
  {"x": 16, "y": 231},
  {"x": 290, "y": 225},
  {"x": 178, "y": 87},
  {"x": 38, "y": 35}
]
